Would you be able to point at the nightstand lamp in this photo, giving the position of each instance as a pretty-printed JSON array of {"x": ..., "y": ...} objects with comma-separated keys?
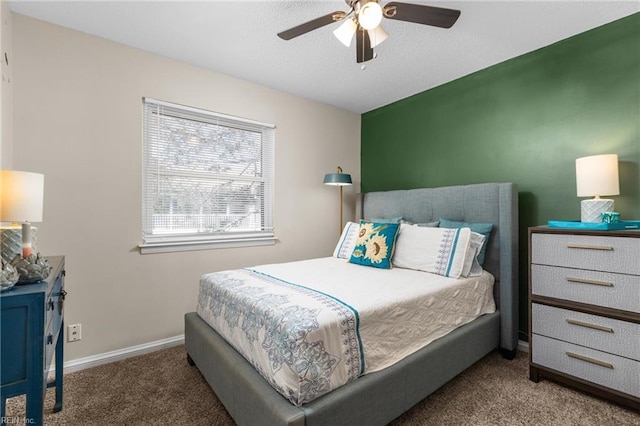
[
  {"x": 21, "y": 201},
  {"x": 596, "y": 176},
  {"x": 338, "y": 179}
]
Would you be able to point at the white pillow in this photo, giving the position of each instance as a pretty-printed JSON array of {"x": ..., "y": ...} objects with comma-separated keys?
[
  {"x": 442, "y": 251},
  {"x": 471, "y": 266},
  {"x": 347, "y": 241}
]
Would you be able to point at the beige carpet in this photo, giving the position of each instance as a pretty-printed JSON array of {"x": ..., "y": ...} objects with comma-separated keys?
[{"x": 162, "y": 389}]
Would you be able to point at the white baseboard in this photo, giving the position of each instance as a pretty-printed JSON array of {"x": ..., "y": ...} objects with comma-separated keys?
[
  {"x": 145, "y": 348},
  {"x": 523, "y": 346},
  {"x": 120, "y": 354}
]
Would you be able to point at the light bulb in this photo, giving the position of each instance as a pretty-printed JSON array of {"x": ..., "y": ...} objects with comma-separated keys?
[{"x": 370, "y": 15}]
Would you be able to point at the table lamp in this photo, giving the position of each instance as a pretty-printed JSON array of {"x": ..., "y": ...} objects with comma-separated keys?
[
  {"x": 21, "y": 202},
  {"x": 596, "y": 176},
  {"x": 338, "y": 179}
]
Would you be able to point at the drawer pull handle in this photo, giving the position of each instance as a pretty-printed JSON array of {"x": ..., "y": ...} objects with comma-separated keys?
[
  {"x": 590, "y": 360},
  {"x": 589, "y": 247},
  {"x": 585, "y": 281},
  {"x": 587, "y": 325}
]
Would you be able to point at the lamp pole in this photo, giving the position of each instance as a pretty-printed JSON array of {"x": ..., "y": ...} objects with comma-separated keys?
[{"x": 340, "y": 224}]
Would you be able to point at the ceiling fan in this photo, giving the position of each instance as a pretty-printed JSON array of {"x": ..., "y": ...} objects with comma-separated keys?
[{"x": 363, "y": 20}]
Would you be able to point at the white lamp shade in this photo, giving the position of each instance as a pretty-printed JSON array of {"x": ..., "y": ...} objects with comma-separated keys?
[
  {"x": 597, "y": 175},
  {"x": 370, "y": 15},
  {"x": 21, "y": 196},
  {"x": 377, "y": 35},
  {"x": 345, "y": 32}
]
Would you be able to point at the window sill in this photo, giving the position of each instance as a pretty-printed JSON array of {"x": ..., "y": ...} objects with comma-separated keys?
[{"x": 169, "y": 247}]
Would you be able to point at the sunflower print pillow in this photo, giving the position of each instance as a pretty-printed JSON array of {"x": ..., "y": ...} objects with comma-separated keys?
[{"x": 375, "y": 244}]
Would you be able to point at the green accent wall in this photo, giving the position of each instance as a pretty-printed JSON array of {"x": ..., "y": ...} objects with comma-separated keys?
[{"x": 525, "y": 121}]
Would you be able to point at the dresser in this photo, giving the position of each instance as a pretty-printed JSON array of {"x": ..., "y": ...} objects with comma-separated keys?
[
  {"x": 584, "y": 311},
  {"x": 32, "y": 334}
]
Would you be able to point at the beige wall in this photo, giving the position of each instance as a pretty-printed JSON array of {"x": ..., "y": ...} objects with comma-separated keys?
[
  {"x": 6, "y": 85},
  {"x": 77, "y": 119}
]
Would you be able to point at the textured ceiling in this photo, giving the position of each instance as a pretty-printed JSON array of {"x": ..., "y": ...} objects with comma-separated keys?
[{"x": 238, "y": 38}]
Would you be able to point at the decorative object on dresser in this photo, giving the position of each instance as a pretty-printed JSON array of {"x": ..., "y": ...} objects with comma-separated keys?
[
  {"x": 338, "y": 179},
  {"x": 32, "y": 268},
  {"x": 596, "y": 175},
  {"x": 584, "y": 311},
  {"x": 32, "y": 327},
  {"x": 8, "y": 275},
  {"x": 592, "y": 226},
  {"x": 21, "y": 200},
  {"x": 610, "y": 217}
]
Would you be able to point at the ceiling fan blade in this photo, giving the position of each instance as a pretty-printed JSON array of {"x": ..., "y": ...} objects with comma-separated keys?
[
  {"x": 421, "y": 14},
  {"x": 364, "y": 52},
  {"x": 312, "y": 25}
]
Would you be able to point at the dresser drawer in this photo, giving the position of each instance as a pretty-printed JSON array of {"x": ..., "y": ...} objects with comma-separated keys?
[
  {"x": 606, "y": 289},
  {"x": 598, "y": 253},
  {"x": 607, "y": 370},
  {"x": 593, "y": 331}
]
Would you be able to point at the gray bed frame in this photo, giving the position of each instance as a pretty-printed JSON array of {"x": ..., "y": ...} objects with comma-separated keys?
[{"x": 378, "y": 398}]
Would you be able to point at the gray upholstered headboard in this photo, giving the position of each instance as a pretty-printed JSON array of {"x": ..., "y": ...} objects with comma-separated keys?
[{"x": 496, "y": 203}]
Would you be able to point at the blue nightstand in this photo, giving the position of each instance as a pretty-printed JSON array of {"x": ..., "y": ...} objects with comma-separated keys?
[{"x": 31, "y": 332}]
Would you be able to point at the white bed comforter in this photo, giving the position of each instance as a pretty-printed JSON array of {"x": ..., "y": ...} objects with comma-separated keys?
[{"x": 311, "y": 326}]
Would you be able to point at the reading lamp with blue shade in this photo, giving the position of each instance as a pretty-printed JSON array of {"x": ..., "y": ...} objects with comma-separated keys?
[{"x": 338, "y": 179}]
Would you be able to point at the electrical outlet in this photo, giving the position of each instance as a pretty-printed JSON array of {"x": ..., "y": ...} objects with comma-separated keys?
[{"x": 74, "y": 332}]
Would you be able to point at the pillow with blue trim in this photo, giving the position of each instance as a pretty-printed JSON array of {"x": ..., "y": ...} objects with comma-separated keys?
[
  {"x": 347, "y": 241},
  {"x": 480, "y": 228},
  {"x": 375, "y": 244},
  {"x": 434, "y": 224},
  {"x": 443, "y": 251}
]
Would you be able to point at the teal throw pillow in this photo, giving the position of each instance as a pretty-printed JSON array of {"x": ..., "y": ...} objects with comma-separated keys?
[
  {"x": 480, "y": 228},
  {"x": 397, "y": 219},
  {"x": 375, "y": 244},
  {"x": 434, "y": 224},
  {"x": 429, "y": 224}
]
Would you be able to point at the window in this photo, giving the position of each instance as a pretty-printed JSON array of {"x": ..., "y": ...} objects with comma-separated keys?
[{"x": 207, "y": 179}]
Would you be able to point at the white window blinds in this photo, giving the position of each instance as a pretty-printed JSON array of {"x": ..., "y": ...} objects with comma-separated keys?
[{"x": 207, "y": 177}]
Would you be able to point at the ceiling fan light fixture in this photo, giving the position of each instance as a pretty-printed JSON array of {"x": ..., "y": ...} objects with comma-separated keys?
[
  {"x": 377, "y": 35},
  {"x": 363, "y": 20},
  {"x": 370, "y": 15},
  {"x": 345, "y": 32}
]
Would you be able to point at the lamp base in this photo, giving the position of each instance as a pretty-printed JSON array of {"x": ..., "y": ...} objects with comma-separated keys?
[
  {"x": 591, "y": 210},
  {"x": 11, "y": 241}
]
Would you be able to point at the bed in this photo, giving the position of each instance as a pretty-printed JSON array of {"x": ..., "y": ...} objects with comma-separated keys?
[{"x": 381, "y": 396}]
